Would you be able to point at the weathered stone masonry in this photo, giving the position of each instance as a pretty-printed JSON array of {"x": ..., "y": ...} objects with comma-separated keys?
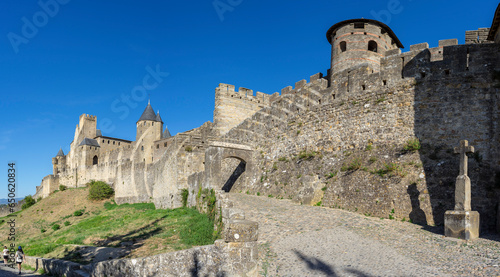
[{"x": 373, "y": 96}]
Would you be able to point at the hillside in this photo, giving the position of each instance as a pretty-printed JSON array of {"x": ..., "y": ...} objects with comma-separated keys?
[{"x": 69, "y": 226}]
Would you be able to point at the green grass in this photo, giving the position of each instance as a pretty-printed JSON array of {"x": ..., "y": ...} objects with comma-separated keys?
[
  {"x": 182, "y": 227},
  {"x": 412, "y": 145}
]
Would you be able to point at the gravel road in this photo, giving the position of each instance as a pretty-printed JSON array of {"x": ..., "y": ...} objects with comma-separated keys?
[{"x": 297, "y": 240}]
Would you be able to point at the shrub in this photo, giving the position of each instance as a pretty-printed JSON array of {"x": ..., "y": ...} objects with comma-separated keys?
[
  {"x": 39, "y": 199},
  {"x": 56, "y": 227},
  {"x": 62, "y": 187},
  {"x": 66, "y": 223},
  {"x": 184, "y": 194},
  {"x": 28, "y": 202},
  {"x": 43, "y": 230},
  {"x": 412, "y": 145},
  {"x": 283, "y": 159},
  {"x": 79, "y": 212},
  {"x": 100, "y": 190},
  {"x": 188, "y": 149}
]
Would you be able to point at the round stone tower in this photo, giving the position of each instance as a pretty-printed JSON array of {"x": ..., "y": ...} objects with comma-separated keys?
[{"x": 360, "y": 41}]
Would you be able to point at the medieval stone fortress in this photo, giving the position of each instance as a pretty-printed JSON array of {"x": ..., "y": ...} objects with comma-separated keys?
[{"x": 340, "y": 140}]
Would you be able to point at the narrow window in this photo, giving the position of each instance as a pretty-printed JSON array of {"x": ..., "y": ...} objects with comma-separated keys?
[
  {"x": 422, "y": 74},
  {"x": 372, "y": 46},
  {"x": 142, "y": 148},
  {"x": 447, "y": 71},
  {"x": 468, "y": 59},
  {"x": 108, "y": 141},
  {"x": 333, "y": 95},
  {"x": 385, "y": 82},
  {"x": 359, "y": 25},
  {"x": 165, "y": 144},
  {"x": 157, "y": 146},
  {"x": 113, "y": 143},
  {"x": 343, "y": 46},
  {"x": 363, "y": 87},
  {"x": 118, "y": 143},
  {"x": 95, "y": 160}
]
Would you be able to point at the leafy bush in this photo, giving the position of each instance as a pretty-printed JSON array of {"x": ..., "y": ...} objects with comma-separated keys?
[
  {"x": 39, "y": 199},
  {"x": 78, "y": 213},
  {"x": 99, "y": 190},
  {"x": 62, "y": 187},
  {"x": 188, "y": 149},
  {"x": 66, "y": 223},
  {"x": 412, "y": 145},
  {"x": 56, "y": 227},
  {"x": 184, "y": 194},
  {"x": 43, "y": 230},
  {"x": 28, "y": 202}
]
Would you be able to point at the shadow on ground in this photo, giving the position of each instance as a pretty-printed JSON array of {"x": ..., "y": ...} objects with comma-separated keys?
[{"x": 319, "y": 266}]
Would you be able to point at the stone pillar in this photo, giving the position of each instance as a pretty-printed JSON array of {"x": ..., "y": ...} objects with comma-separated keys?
[
  {"x": 239, "y": 239},
  {"x": 462, "y": 222}
]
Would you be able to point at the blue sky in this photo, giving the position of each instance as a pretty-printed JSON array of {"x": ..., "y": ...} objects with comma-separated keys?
[{"x": 73, "y": 57}]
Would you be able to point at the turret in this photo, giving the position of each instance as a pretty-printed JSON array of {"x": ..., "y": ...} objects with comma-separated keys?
[
  {"x": 59, "y": 162},
  {"x": 360, "y": 41},
  {"x": 149, "y": 123},
  {"x": 149, "y": 129}
]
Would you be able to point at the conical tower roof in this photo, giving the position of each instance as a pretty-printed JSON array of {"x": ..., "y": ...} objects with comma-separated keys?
[
  {"x": 158, "y": 117},
  {"x": 60, "y": 153},
  {"x": 148, "y": 114},
  {"x": 166, "y": 133}
]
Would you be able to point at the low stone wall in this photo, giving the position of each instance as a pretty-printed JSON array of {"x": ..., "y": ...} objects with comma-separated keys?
[
  {"x": 57, "y": 267},
  {"x": 199, "y": 261}
]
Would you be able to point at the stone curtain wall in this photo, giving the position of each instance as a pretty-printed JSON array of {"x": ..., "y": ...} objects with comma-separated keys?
[{"x": 440, "y": 95}]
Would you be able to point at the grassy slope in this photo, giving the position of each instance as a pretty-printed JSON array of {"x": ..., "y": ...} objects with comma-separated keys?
[{"x": 139, "y": 228}]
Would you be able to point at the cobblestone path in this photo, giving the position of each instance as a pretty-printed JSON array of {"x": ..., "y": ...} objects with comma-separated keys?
[{"x": 297, "y": 240}]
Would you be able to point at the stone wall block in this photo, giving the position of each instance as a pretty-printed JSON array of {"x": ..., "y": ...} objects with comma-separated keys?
[{"x": 241, "y": 231}]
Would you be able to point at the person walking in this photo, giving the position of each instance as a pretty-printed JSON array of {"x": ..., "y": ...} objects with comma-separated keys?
[
  {"x": 20, "y": 258},
  {"x": 5, "y": 255}
]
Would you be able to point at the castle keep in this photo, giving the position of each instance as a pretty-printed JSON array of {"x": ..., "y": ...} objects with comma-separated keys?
[{"x": 336, "y": 140}]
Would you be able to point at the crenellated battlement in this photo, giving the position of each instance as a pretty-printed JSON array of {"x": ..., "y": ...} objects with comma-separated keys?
[
  {"x": 88, "y": 117},
  {"x": 245, "y": 94},
  {"x": 421, "y": 63},
  {"x": 316, "y": 79}
]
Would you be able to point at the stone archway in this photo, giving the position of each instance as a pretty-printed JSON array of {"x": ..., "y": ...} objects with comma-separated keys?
[{"x": 215, "y": 155}]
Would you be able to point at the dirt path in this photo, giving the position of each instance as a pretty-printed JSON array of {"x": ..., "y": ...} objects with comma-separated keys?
[{"x": 300, "y": 240}]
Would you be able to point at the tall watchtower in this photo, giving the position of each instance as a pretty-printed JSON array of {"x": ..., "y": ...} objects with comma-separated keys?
[{"x": 360, "y": 41}]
